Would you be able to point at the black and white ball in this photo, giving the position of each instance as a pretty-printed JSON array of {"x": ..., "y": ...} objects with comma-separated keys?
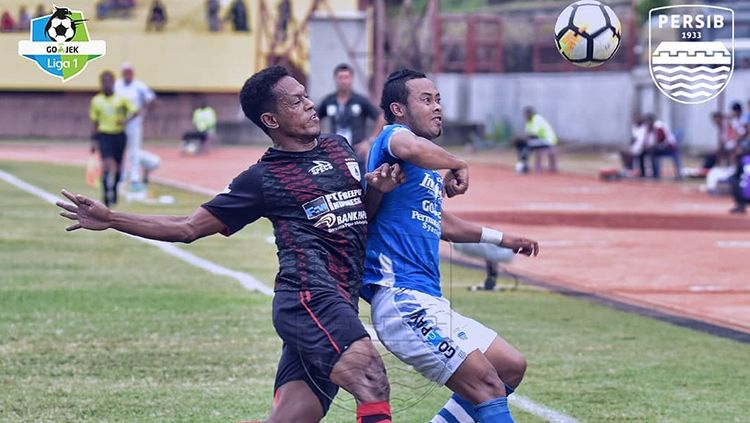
[
  {"x": 61, "y": 29},
  {"x": 588, "y": 33}
]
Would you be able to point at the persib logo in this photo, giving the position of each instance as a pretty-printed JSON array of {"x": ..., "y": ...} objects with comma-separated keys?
[
  {"x": 694, "y": 59},
  {"x": 60, "y": 43}
]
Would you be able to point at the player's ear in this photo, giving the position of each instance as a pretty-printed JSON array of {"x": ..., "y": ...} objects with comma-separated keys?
[
  {"x": 269, "y": 120},
  {"x": 397, "y": 109}
]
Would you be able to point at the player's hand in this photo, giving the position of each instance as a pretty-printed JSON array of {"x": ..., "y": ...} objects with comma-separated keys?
[
  {"x": 385, "y": 178},
  {"x": 89, "y": 213},
  {"x": 519, "y": 245},
  {"x": 456, "y": 181}
]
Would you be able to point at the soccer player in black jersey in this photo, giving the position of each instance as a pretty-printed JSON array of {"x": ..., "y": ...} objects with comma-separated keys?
[{"x": 308, "y": 185}]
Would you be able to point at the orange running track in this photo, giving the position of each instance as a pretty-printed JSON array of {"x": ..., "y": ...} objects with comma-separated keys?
[{"x": 663, "y": 246}]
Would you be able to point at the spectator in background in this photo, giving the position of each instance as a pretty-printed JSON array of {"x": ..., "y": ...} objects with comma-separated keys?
[
  {"x": 40, "y": 11},
  {"x": 24, "y": 19},
  {"x": 212, "y": 15},
  {"x": 102, "y": 8},
  {"x": 238, "y": 15},
  {"x": 660, "y": 141},
  {"x": 539, "y": 135},
  {"x": 635, "y": 149},
  {"x": 718, "y": 166},
  {"x": 349, "y": 112},
  {"x": 143, "y": 98},
  {"x": 157, "y": 17},
  {"x": 204, "y": 120},
  {"x": 284, "y": 17},
  {"x": 740, "y": 181},
  {"x": 7, "y": 23}
]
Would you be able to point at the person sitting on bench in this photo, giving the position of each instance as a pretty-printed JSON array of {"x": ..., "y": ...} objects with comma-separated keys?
[{"x": 539, "y": 137}]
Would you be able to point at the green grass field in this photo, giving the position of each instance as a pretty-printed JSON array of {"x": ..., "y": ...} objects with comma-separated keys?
[{"x": 100, "y": 327}]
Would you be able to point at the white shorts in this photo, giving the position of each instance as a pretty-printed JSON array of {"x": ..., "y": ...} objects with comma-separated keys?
[{"x": 423, "y": 331}]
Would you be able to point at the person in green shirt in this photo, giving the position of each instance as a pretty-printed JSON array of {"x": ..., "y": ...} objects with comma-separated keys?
[
  {"x": 109, "y": 114},
  {"x": 204, "y": 120},
  {"x": 538, "y": 135}
]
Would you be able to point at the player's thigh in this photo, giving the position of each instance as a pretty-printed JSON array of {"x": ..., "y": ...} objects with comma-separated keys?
[
  {"x": 294, "y": 369},
  {"x": 361, "y": 372},
  {"x": 476, "y": 379},
  {"x": 295, "y": 402},
  {"x": 507, "y": 360}
]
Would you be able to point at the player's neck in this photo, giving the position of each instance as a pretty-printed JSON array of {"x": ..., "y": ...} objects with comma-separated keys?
[{"x": 294, "y": 145}]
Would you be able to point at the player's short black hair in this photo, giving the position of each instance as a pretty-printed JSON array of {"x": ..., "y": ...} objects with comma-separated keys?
[
  {"x": 106, "y": 72},
  {"x": 395, "y": 91},
  {"x": 736, "y": 107},
  {"x": 342, "y": 67},
  {"x": 257, "y": 96}
]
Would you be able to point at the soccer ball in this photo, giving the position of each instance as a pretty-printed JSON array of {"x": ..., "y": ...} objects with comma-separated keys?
[
  {"x": 587, "y": 33},
  {"x": 61, "y": 29}
]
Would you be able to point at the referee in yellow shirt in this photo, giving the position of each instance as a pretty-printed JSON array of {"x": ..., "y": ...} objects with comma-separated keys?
[{"x": 110, "y": 113}]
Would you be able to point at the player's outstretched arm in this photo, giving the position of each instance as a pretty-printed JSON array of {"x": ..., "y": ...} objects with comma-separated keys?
[
  {"x": 455, "y": 229},
  {"x": 93, "y": 215},
  {"x": 380, "y": 181},
  {"x": 424, "y": 153}
]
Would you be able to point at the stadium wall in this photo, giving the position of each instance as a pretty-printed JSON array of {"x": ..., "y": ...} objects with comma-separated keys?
[
  {"x": 64, "y": 116},
  {"x": 591, "y": 108}
]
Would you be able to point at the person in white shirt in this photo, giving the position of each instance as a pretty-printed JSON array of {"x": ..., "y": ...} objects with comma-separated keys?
[
  {"x": 635, "y": 149},
  {"x": 143, "y": 97},
  {"x": 659, "y": 141}
]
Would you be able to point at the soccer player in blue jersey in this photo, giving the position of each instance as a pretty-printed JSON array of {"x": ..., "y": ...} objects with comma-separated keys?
[{"x": 402, "y": 278}]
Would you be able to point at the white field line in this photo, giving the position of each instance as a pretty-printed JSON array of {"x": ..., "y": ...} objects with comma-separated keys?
[{"x": 255, "y": 285}]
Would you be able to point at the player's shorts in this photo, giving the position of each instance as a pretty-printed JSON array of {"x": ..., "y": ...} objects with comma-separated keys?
[
  {"x": 111, "y": 145},
  {"x": 316, "y": 327},
  {"x": 424, "y": 332}
]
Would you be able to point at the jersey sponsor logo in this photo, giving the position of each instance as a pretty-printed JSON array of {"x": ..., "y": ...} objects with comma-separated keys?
[
  {"x": 321, "y": 166},
  {"x": 316, "y": 207},
  {"x": 331, "y": 202},
  {"x": 354, "y": 170},
  {"x": 431, "y": 334},
  {"x": 333, "y": 222},
  {"x": 328, "y": 221},
  {"x": 433, "y": 186}
]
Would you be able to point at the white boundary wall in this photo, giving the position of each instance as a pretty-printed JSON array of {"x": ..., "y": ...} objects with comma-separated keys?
[{"x": 592, "y": 108}]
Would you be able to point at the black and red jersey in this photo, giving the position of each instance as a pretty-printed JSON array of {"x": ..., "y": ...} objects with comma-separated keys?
[{"x": 315, "y": 201}]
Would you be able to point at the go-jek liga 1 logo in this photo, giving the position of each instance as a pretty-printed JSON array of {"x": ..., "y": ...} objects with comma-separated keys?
[
  {"x": 60, "y": 43},
  {"x": 695, "y": 65}
]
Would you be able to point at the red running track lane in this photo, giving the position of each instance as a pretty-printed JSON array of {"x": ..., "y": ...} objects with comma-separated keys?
[{"x": 659, "y": 245}]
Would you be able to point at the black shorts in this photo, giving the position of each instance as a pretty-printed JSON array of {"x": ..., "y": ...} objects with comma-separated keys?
[
  {"x": 111, "y": 145},
  {"x": 316, "y": 327}
]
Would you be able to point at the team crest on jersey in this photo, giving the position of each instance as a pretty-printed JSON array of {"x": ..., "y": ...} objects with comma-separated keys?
[
  {"x": 354, "y": 170},
  {"x": 321, "y": 166}
]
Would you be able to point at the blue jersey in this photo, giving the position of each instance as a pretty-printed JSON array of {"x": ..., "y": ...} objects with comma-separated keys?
[{"x": 403, "y": 240}]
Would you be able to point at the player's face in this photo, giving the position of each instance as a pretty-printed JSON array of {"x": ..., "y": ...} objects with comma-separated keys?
[
  {"x": 424, "y": 114},
  {"x": 108, "y": 83},
  {"x": 344, "y": 80},
  {"x": 128, "y": 75},
  {"x": 295, "y": 112}
]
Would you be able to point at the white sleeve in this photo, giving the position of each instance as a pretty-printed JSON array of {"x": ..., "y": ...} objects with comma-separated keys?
[{"x": 146, "y": 92}]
